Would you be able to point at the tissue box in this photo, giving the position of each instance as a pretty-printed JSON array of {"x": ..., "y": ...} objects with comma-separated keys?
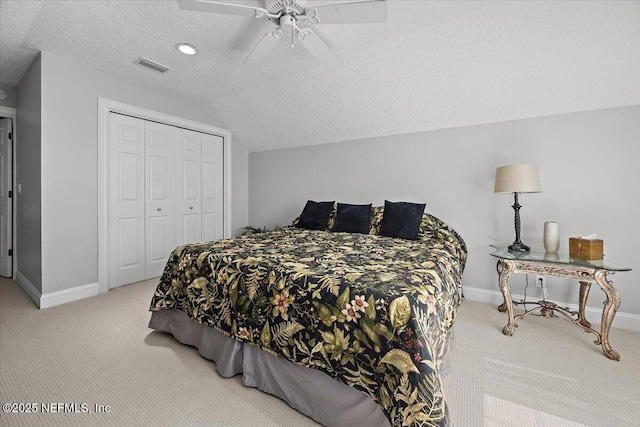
[{"x": 589, "y": 249}]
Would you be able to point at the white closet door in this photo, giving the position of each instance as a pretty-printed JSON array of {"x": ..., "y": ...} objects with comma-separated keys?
[
  {"x": 160, "y": 218},
  {"x": 212, "y": 187},
  {"x": 165, "y": 188},
  {"x": 189, "y": 190},
  {"x": 126, "y": 200}
]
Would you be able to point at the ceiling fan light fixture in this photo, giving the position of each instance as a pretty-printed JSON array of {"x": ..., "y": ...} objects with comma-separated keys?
[{"x": 186, "y": 48}]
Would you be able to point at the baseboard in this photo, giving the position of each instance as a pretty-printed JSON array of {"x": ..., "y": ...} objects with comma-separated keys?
[
  {"x": 29, "y": 288},
  {"x": 622, "y": 320},
  {"x": 67, "y": 295}
]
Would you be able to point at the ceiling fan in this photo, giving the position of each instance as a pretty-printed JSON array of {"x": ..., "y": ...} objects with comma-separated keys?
[{"x": 291, "y": 16}]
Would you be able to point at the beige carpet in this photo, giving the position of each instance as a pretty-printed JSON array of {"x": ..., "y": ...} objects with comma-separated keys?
[{"x": 100, "y": 351}]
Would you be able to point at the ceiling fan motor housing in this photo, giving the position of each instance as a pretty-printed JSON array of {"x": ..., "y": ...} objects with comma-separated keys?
[{"x": 287, "y": 21}]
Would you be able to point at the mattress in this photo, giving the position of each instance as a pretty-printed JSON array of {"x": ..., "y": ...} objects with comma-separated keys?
[{"x": 371, "y": 313}]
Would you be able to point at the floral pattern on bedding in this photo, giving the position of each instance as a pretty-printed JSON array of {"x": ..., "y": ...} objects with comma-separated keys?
[{"x": 372, "y": 312}]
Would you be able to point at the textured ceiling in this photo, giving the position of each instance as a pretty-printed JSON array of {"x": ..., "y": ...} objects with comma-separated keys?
[{"x": 433, "y": 65}]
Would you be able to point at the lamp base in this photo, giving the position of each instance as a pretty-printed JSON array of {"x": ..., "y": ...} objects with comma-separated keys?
[{"x": 519, "y": 247}]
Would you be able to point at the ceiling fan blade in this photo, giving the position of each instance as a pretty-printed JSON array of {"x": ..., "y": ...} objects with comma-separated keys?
[
  {"x": 373, "y": 11},
  {"x": 264, "y": 46},
  {"x": 219, "y": 7},
  {"x": 318, "y": 48}
]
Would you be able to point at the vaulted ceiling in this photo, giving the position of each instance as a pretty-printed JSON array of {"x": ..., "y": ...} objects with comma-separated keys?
[{"x": 432, "y": 65}]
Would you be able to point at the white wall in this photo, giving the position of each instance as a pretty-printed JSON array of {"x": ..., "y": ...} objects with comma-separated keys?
[
  {"x": 70, "y": 94},
  {"x": 27, "y": 153},
  {"x": 588, "y": 165}
]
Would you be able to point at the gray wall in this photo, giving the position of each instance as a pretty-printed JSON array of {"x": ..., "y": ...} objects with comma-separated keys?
[
  {"x": 588, "y": 165},
  {"x": 70, "y": 94},
  {"x": 11, "y": 98},
  {"x": 240, "y": 182},
  {"x": 27, "y": 153}
]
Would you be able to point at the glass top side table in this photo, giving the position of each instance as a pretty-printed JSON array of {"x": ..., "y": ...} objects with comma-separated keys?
[{"x": 560, "y": 265}]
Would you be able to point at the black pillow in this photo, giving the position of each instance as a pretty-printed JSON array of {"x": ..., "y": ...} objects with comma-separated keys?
[
  {"x": 401, "y": 219},
  {"x": 353, "y": 218},
  {"x": 315, "y": 215}
]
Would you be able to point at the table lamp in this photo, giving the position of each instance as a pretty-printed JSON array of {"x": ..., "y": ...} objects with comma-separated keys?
[{"x": 517, "y": 179}]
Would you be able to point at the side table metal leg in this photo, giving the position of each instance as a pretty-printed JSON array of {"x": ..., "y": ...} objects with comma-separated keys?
[
  {"x": 502, "y": 307},
  {"x": 505, "y": 269},
  {"x": 584, "y": 294},
  {"x": 610, "y": 307}
]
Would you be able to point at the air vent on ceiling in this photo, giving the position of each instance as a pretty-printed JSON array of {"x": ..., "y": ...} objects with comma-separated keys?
[{"x": 154, "y": 66}]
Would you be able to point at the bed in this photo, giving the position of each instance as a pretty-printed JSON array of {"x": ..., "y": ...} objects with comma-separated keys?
[{"x": 348, "y": 328}]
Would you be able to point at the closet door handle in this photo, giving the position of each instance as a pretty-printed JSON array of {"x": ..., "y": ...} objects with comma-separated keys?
[
  {"x": 190, "y": 207},
  {"x": 159, "y": 209}
]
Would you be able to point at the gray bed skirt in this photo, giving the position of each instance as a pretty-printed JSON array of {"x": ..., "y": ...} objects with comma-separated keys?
[{"x": 328, "y": 401}]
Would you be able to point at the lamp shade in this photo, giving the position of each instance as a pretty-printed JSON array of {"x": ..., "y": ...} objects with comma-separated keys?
[{"x": 517, "y": 179}]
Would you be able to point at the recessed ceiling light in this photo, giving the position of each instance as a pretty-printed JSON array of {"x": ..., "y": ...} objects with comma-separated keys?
[{"x": 186, "y": 48}]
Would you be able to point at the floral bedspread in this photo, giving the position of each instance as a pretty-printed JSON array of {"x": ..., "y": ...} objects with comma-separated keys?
[{"x": 372, "y": 312}]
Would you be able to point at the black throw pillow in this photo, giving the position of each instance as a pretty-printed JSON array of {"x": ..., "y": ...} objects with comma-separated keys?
[
  {"x": 353, "y": 218},
  {"x": 315, "y": 215},
  {"x": 401, "y": 219}
]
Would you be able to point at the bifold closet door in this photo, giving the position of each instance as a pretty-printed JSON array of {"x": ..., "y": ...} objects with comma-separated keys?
[
  {"x": 160, "y": 217},
  {"x": 188, "y": 186},
  {"x": 165, "y": 188},
  {"x": 142, "y": 220},
  {"x": 126, "y": 200},
  {"x": 212, "y": 187},
  {"x": 199, "y": 187}
]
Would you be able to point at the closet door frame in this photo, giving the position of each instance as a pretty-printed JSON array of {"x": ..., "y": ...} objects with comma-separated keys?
[{"x": 106, "y": 106}]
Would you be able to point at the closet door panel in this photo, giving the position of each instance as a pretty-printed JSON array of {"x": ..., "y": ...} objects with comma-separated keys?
[
  {"x": 191, "y": 181},
  {"x": 189, "y": 189},
  {"x": 159, "y": 230},
  {"x": 160, "y": 196},
  {"x": 126, "y": 256},
  {"x": 212, "y": 187},
  {"x": 129, "y": 254},
  {"x": 191, "y": 229}
]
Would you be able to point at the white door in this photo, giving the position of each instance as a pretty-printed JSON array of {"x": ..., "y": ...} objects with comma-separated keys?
[
  {"x": 6, "y": 206},
  {"x": 160, "y": 219},
  {"x": 212, "y": 187},
  {"x": 188, "y": 183},
  {"x": 126, "y": 200}
]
